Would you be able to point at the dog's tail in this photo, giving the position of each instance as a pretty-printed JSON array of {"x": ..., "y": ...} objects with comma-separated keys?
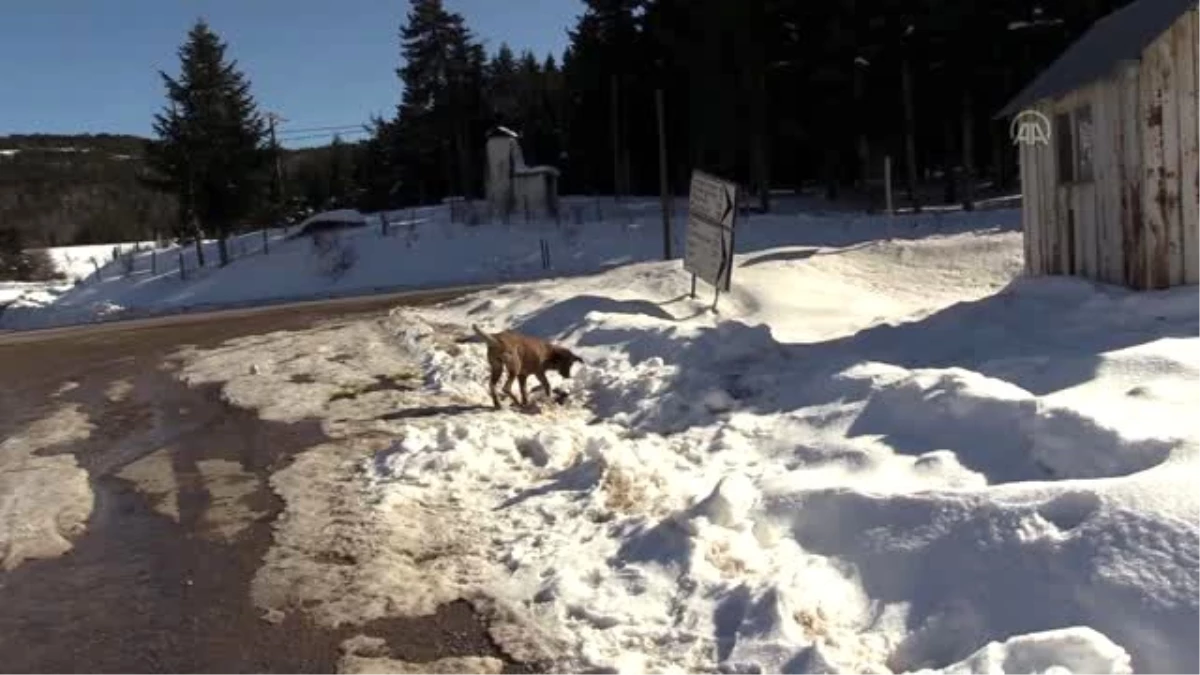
[{"x": 482, "y": 335}]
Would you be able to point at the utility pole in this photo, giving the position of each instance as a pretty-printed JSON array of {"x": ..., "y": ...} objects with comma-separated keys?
[{"x": 277, "y": 179}]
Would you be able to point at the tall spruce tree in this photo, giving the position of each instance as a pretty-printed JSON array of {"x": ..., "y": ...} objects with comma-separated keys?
[
  {"x": 439, "y": 116},
  {"x": 211, "y": 148}
]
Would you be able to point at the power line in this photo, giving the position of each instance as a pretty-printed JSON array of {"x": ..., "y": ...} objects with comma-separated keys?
[
  {"x": 324, "y": 135},
  {"x": 285, "y": 132}
]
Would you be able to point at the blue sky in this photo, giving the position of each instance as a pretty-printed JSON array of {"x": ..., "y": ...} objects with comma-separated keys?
[{"x": 90, "y": 66}]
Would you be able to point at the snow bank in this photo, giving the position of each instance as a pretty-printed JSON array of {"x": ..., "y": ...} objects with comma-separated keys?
[
  {"x": 889, "y": 489},
  {"x": 880, "y": 456},
  {"x": 80, "y": 262},
  {"x": 421, "y": 249}
]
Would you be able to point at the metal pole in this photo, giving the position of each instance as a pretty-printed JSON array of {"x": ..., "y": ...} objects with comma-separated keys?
[
  {"x": 272, "y": 119},
  {"x": 693, "y": 293},
  {"x": 662, "y": 174}
]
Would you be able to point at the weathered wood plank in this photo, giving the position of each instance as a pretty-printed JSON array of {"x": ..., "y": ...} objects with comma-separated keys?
[
  {"x": 1133, "y": 228},
  {"x": 1187, "y": 57},
  {"x": 1086, "y": 250},
  {"x": 1029, "y": 211},
  {"x": 1155, "y": 100},
  {"x": 1065, "y": 244},
  {"x": 1167, "y": 199},
  {"x": 1083, "y": 193},
  {"x": 1108, "y": 241},
  {"x": 1051, "y": 225},
  {"x": 1037, "y": 164}
]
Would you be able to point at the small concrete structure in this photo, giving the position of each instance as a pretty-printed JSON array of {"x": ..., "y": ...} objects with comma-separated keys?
[{"x": 513, "y": 187}]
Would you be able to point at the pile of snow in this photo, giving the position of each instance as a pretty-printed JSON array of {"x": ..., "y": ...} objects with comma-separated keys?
[
  {"x": 421, "y": 248},
  {"x": 11, "y": 291},
  {"x": 895, "y": 497},
  {"x": 880, "y": 456},
  {"x": 81, "y": 262}
]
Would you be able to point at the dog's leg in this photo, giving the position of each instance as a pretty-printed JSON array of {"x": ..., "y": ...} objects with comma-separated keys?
[
  {"x": 524, "y": 393},
  {"x": 492, "y": 380},
  {"x": 545, "y": 385},
  {"x": 507, "y": 386}
]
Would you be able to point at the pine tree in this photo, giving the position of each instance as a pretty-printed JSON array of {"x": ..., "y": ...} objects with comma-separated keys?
[
  {"x": 605, "y": 78},
  {"x": 439, "y": 115},
  {"x": 341, "y": 172},
  {"x": 502, "y": 87},
  {"x": 211, "y": 146}
]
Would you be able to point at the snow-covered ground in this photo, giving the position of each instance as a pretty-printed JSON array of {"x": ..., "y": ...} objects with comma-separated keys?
[
  {"x": 887, "y": 452},
  {"x": 422, "y": 249}
]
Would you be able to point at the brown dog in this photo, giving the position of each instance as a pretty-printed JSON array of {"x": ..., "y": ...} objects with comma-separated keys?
[{"x": 521, "y": 356}]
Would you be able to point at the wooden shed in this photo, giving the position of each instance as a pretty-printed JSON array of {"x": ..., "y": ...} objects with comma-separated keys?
[{"x": 1113, "y": 194}]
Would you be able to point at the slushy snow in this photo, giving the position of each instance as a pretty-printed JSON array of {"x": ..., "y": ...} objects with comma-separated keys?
[
  {"x": 45, "y": 499},
  {"x": 881, "y": 455}
]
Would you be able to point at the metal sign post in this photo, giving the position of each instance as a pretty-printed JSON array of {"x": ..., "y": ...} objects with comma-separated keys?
[{"x": 712, "y": 215}]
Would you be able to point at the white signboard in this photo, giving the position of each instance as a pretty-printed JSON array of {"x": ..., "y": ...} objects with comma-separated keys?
[{"x": 712, "y": 210}]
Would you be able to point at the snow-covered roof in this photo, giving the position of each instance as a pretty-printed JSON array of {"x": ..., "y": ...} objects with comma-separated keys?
[
  {"x": 532, "y": 170},
  {"x": 502, "y": 131},
  {"x": 1120, "y": 36}
]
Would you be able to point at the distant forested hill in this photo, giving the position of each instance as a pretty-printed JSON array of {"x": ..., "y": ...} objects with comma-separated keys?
[
  {"x": 84, "y": 189},
  {"x": 77, "y": 189}
]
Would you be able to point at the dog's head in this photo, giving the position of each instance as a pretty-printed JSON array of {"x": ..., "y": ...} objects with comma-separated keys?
[{"x": 561, "y": 359}]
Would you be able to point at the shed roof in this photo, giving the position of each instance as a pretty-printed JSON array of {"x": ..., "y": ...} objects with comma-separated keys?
[
  {"x": 1120, "y": 36},
  {"x": 502, "y": 131}
]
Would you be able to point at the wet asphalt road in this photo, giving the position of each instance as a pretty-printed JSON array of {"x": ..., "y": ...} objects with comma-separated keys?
[{"x": 141, "y": 592}]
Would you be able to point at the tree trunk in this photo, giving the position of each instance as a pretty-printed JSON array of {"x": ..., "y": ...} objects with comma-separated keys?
[
  {"x": 614, "y": 111},
  {"x": 447, "y": 168},
  {"x": 968, "y": 152},
  {"x": 759, "y": 162},
  {"x": 223, "y": 247},
  {"x": 998, "y": 158},
  {"x": 861, "y": 146},
  {"x": 831, "y": 173},
  {"x": 199, "y": 246},
  {"x": 949, "y": 173},
  {"x": 464, "y": 162},
  {"x": 910, "y": 133}
]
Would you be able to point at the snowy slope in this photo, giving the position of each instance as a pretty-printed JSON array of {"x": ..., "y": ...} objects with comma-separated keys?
[
  {"x": 882, "y": 455},
  {"x": 422, "y": 249}
]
